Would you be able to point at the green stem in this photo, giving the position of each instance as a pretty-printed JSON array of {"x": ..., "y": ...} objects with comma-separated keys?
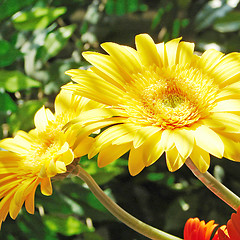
[
  {"x": 215, "y": 186},
  {"x": 119, "y": 213}
]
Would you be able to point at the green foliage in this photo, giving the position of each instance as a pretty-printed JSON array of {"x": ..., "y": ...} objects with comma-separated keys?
[
  {"x": 39, "y": 41},
  {"x": 121, "y": 7},
  {"x": 55, "y": 42},
  {"x": 38, "y": 18},
  {"x": 8, "y": 54},
  {"x": 9, "y": 7},
  {"x": 13, "y": 81},
  {"x": 67, "y": 226},
  {"x": 22, "y": 118}
]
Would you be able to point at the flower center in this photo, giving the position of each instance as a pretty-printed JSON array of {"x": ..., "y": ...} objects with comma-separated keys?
[
  {"x": 170, "y": 98},
  {"x": 46, "y": 146}
]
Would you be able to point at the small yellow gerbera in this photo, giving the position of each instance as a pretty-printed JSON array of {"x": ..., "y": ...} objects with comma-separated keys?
[
  {"x": 163, "y": 98},
  {"x": 33, "y": 158}
]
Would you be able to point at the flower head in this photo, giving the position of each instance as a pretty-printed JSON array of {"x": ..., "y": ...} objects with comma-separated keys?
[
  {"x": 162, "y": 98},
  {"x": 35, "y": 157},
  {"x": 196, "y": 229}
]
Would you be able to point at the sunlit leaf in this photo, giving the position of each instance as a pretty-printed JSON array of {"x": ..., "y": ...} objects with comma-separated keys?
[
  {"x": 13, "y": 81},
  {"x": 8, "y": 54},
  {"x": 55, "y": 42},
  {"x": 38, "y": 18},
  {"x": 9, "y": 7},
  {"x": 66, "y": 225}
]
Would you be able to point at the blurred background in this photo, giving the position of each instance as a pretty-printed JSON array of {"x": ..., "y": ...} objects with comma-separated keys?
[{"x": 39, "y": 41}]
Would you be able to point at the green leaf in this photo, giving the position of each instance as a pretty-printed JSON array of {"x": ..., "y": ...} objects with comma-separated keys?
[
  {"x": 132, "y": 6},
  {"x": 228, "y": 23},
  {"x": 103, "y": 175},
  {"x": 38, "y": 18},
  {"x": 67, "y": 226},
  {"x": 13, "y": 81},
  {"x": 23, "y": 117},
  {"x": 157, "y": 19},
  {"x": 9, "y": 7},
  {"x": 8, "y": 54},
  {"x": 55, "y": 42},
  {"x": 6, "y": 103}
]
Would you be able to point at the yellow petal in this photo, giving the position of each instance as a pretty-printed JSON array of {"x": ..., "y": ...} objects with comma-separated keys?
[
  {"x": 4, "y": 206},
  {"x": 200, "y": 158},
  {"x": 162, "y": 53},
  {"x": 209, "y": 141},
  {"x": 184, "y": 141},
  {"x": 174, "y": 160},
  {"x": 171, "y": 49},
  {"x": 123, "y": 58},
  {"x": 109, "y": 135},
  {"x": 83, "y": 147},
  {"x": 9, "y": 162},
  {"x": 147, "y": 50},
  {"x": 143, "y": 134},
  {"x": 209, "y": 59},
  {"x": 61, "y": 167},
  {"x": 152, "y": 149},
  {"x": 167, "y": 140},
  {"x": 11, "y": 145},
  {"x": 135, "y": 161},
  {"x": 29, "y": 203},
  {"x": 40, "y": 119},
  {"x": 111, "y": 153},
  {"x": 105, "y": 64},
  {"x": 14, "y": 209},
  {"x": 226, "y": 122},
  {"x": 230, "y": 105},
  {"x": 43, "y": 172},
  {"x": 46, "y": 186},
  {"x": 67, "y": 155},
  {"x": 231, "y": 148},
  {"x": 227, "y": 68},
  {"x": 86, "y": 131},
  {"x": 184, "y": 53},
  {"x": 106, "y": 68},
  {"x": 63, "y": 102},
  {"x": 51, "y": 169},
  {"x": 230, "y": 91},
  {"x": 105, "y": 92}
]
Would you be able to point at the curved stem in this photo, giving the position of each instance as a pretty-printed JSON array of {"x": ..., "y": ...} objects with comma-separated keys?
[
  {"x": 215, "y": 186},
  {"x": 119, "y": 213}
]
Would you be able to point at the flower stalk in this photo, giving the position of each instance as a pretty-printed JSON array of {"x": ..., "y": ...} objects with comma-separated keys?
[
  {"x": 215, "y": 186},
  {"x": 132, "y": 222}
]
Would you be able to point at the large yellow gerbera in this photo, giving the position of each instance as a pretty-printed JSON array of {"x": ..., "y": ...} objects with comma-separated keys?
[
  {"x": 162, "y": 98},
  {"x": 33, "y": 158}
]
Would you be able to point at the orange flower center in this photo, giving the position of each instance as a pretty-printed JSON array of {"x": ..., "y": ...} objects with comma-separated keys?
[{"x": 170, "y": 98}]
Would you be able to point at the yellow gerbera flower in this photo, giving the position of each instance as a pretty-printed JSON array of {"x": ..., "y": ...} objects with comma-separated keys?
[
  {"x": 33, "y": 158},
  {"x": 163, "y": 98}
]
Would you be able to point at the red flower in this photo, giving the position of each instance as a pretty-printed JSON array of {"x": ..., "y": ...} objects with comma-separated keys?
[
  {"x": 199, "y": 230},
  {"x": 233, "y": 228},
  {"x": 196, "y": 230}
]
